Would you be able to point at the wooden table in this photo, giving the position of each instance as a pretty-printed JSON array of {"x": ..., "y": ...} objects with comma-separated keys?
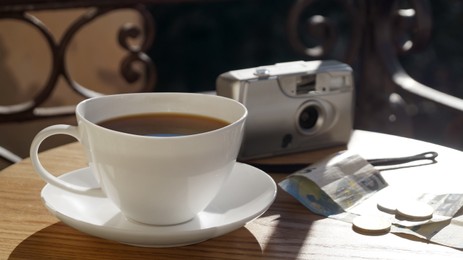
[{"x": 286, "y": 231}]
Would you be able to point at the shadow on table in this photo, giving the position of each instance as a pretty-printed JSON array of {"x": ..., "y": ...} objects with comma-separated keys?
[
  {"x": 291, "y": 226},
  {"x": 74, "y": 244}
]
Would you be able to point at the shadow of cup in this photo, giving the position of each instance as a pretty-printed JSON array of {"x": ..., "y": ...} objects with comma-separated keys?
[{"x": 59, "y": 241}]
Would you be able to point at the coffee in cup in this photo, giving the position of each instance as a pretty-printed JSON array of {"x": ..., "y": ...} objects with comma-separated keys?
[{"x": 163, "y": 124}]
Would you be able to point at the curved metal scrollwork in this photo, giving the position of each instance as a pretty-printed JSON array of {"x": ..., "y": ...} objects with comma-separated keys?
[
  {"x": 420, "y": 15},
  {"x": 32, "y": 110},
  {"x": 138, "y": 53},
  {"x": 387, "y": 29},
  {"x": 318, "y": 27},
  {"x": 322, "y": 31},
  {"x": 11, "y": 112},
  {"x": 412, "y": 26}
]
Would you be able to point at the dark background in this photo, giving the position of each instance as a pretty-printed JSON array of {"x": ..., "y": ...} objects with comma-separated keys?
[
  {"x": 194, "y": 43},
  {"x": 204, "y": 40}
]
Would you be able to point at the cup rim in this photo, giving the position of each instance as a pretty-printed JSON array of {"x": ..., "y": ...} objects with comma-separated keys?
[{"x": 93, "y": 124}]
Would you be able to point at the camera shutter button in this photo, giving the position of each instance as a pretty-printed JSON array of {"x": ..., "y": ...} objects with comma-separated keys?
[{"x": 262, "y": 72}]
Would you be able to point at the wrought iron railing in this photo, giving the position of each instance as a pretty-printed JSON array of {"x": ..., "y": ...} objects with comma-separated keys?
[
  {"x": 379, "y": 32},
  {"x": 20, "y": 11}
]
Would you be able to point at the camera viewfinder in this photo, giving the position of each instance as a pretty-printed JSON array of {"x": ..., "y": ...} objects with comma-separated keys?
[{"x": 306, "y": 84}]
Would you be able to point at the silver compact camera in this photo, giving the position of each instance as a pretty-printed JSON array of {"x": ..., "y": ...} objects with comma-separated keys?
[{"x": 293, "y": 106}]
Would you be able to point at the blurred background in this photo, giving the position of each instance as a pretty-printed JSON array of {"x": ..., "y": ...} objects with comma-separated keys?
[{"x": 189, "y": 43}]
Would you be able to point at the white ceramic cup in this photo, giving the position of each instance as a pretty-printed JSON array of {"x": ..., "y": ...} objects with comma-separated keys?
[{"x": 153, "y": 180}]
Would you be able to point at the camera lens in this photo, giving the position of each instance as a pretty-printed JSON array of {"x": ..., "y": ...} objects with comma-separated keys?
[{"x": 308, "y": 117}]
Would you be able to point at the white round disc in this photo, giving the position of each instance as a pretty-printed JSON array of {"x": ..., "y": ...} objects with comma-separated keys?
[
  {"x": 415, "y": 211},
  {"x": 371, "y": 224},
  {"x": 388, "y": 205}
]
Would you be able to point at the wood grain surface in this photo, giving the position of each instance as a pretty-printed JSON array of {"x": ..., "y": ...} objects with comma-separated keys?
[{"x": 286, "y": 231}]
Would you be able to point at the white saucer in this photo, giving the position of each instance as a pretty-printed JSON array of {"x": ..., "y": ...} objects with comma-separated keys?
[{"x": 248, "y": 193}]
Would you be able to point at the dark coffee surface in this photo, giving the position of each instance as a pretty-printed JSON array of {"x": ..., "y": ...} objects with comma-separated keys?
[{"x": 163, "y": 124}]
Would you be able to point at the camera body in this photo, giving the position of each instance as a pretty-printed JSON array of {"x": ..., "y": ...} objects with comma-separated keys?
[{"x": 293, "y": 106}]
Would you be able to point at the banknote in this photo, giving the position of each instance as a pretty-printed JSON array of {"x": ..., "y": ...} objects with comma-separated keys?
[{"x": 335, "y": 184}]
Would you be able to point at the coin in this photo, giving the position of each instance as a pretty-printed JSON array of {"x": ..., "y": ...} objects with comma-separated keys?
[
  {"x": 414, "y": 211},
  {"x": 388, "y": 205},
  {"x": 371, "y": 225}
]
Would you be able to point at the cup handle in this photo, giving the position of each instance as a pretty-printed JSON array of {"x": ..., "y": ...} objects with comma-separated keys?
[{"x": 46, "y": 175}]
